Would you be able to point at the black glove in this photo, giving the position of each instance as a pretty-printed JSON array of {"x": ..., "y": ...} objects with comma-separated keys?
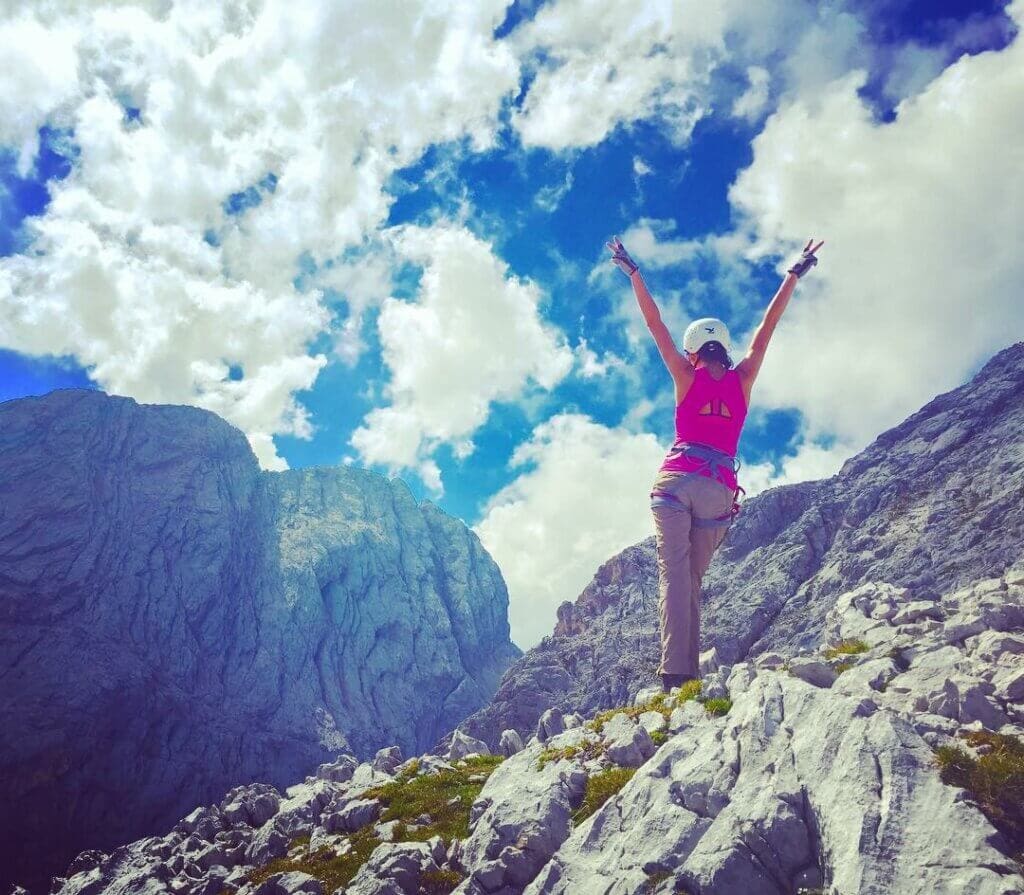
[
  {"x": 620, "y": 257},
  {"x": 807, "y": 259}
]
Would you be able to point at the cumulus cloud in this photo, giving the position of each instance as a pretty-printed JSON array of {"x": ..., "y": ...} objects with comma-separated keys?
[
  {"x": 331, "y": 99},
  {"x": 920, "y": 273},
  {"x": 810, "y": 462},
  {"x": 607, "y": 69},
  {"x": 581, "y": 498},
  {"x": 752, "y": 102},
  {"x": 596, "y": 72},
  {"x": 37, "y": 71},
  {"x": 473, "y": 335}
]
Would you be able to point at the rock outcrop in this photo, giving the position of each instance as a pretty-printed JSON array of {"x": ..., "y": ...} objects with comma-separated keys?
[
  {"x": 173, "y": 621},
  {"x": 932, "y": 505},
  {"x": 761, "y": 782}
]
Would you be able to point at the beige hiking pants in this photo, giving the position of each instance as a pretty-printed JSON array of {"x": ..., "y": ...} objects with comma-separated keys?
[{"x": 684, "y": 554}]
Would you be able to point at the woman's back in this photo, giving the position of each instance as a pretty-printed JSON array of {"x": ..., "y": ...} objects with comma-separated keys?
[{"x": 712, "y": 413}]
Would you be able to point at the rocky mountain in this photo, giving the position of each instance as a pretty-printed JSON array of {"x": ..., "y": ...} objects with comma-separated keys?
[
  {"x": 869, "y": 767},
  {"x": 932, "y": 505},
  {"x": 175, "y": 622}
]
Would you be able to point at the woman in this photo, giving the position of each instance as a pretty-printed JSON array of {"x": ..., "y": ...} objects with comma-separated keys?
[{"x": 694, "y": 498}]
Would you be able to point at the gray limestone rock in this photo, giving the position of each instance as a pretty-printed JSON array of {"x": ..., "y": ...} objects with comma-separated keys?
[
  {"x": 628, "y": 743},
  {"x": 394, "y": 869},
  {"x": 550, "y": 724},
  {"x": 520, "y": 818},
  {"x": 462, "y": 745},
  {"x": 511, "y": 743},
  {"x": 793, "y": 784},
  {"x": 291, "y": 883},
  {"x": 339, "y": 770},
  {"x": 814, "y": 671},
  {"x": 387, "y": 759}
]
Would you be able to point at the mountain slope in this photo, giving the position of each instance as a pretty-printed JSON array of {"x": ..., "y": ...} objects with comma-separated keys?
[{"x": 173, "y": 621}]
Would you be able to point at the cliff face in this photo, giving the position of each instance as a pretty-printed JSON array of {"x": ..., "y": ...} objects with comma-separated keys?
[
  {"x": 932, "y": 505},
  {"x": 173, "y": 621}
]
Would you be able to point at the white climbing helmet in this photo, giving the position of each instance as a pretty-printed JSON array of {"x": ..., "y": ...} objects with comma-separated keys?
[{"x": 707, "y": 329}]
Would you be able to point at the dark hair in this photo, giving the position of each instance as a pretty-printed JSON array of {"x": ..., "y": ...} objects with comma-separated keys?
[{"x": 714, "y": 351}]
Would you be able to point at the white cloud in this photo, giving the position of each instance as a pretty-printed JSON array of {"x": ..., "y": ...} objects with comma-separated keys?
[
  {"x": 362, "y": 283},
  {"x": 474, "y": 335},
  {"x": 330, "y": 98},
  {"x": 549, "y": 197},
  {"x": 595, "y": 71},
  {"x": 37, "y": 71},
  {"x": 751, "y": 104},
  {"x": 608, "y": 69},
  {"x": 640, "y": 167},
  {"x": 583, "y": 496},
  {"x": 810, "y": 463},
  {"x": 920, "y": 274},
  {"x": 590, "y": 366}
]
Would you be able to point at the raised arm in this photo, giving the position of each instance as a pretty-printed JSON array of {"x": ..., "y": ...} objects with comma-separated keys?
[
  {"x": 680, "y": 368},
  {"x": 750, "y": 366}
]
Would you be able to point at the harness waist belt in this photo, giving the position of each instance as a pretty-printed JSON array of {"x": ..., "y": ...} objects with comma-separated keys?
[{"x": 714, "y": 460}]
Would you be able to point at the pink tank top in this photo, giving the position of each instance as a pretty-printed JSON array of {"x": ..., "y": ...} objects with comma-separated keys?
[{"x": 712, "y": 413}]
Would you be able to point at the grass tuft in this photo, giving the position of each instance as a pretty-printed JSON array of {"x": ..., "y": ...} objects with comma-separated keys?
[
  {"x": 994, "y": 780},
  {"x": 439, "y": 882},
  {"x": 600, "y": 788},
  {"x": 851, "y": 646},
  {"x": 718, "y": 706}
]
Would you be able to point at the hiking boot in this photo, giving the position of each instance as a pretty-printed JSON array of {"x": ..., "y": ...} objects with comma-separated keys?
[{"x": 668, "y": 681}]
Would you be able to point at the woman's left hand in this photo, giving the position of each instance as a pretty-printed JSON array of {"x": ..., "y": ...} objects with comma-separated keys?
[{"x": 620, "y": 257}]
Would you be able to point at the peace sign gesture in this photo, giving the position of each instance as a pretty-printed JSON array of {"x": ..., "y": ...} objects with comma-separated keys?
[
  {"x": 620, "y": 257},
  {"x": 807, "y": 259}
]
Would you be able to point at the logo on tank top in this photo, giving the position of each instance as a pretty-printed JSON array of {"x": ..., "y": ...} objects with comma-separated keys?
[{"x": 716, "y": 407}]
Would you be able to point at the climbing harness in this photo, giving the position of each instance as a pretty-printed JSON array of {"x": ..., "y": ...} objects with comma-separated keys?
[{"x": 713, "y": 461}]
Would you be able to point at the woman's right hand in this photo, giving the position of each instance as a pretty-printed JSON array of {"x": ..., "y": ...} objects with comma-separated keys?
[{"x": 620, "y": 257}]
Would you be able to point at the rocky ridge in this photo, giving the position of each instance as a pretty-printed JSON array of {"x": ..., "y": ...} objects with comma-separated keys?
[
  {"x": 931, "y": 505},
  {"x": 174, "y": 621},
  {"x": 816, "y": 771}
]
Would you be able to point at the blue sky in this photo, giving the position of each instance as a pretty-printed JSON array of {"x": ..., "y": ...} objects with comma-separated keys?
[{"x": 712, "y": 196}]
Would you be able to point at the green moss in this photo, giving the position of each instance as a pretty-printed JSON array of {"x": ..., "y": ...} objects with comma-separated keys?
[
  {"x": 994, "y": 780},
  {"x": 848, "y": 647},
  {"x": 405, "y": 800},
  {"x": 718, "y": 706},
  {"x": 331, "y": 869},
  {"x": 660, "y": 737},
  {"x": 600, "y": 788},
  {"x": 844, "y": 666},
  {"x": 439, "y": 882}
]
